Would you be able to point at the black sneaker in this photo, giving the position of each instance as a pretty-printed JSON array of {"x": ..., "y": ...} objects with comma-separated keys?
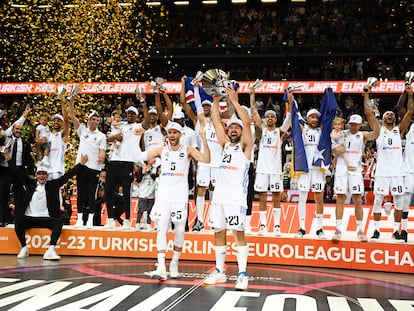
[
  {"x": 320, "y": 234},
  {"x": 301, "y": 233},
  {"x": 375, "y": 237},
  {"x": 198, "y": 226},
  {"x": 404, "y": 235},
  {"x": 397, "y": 237}
]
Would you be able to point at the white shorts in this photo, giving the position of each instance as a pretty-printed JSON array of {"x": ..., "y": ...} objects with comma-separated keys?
[
  {"x": 205, "y": 175},
  {"x": 227, "y": 216},
  {"x": 175, "y": 211},
  {"x": 354, "y": 184},
  {"x": 383, "y": 185},
  {"x": 313, "y": 180},
  {"x": 409, "y": 183},
  {"x": 268, "y": 182}
]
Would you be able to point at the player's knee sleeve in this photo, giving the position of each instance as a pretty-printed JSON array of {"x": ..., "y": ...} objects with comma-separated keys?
[
  {"x": 179, "y": 229},
  {"x": 378, "y": 202},
  {"x": 399, "y": 202}
]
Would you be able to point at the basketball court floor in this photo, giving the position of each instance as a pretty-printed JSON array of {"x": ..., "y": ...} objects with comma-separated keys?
[{"x": 108, "y": 283}]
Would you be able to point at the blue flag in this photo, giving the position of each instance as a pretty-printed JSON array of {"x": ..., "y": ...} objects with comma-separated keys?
[
  {"x": 189, "y": 93},
  {"x": 328, "y": 113},
  {"x": 300, "y": 164}
]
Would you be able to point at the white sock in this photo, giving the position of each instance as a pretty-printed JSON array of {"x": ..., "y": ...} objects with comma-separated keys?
[
  {"x": 80, "y": 217},
  {"x": 221, "y": 252},
  {"x": 176, "y": 255},
  {"x": 263, "y": 217},
  {"x": 339, "y": 224},
  {"x": 161, "y": 259},
  {"x": 404, "y": 223},
  {"x": 303, "y": 196},
  {"x": 396, "y": 226},
  {"x": 276, "y": 216},
  {"x": 359, "y": 225},
  {"x": 319, "y": 219},
  {"x": 242, "y": 253},
  {"x": 376, "y": 225},
  {"x": 200, "y": 207}
]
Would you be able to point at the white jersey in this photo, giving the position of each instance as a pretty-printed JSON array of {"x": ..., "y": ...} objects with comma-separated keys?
[
  {"x": 232, "y": 177},
  {"x": 189, "y": 137},
  {"x": 389, "y": 150},
  {"x": 213, "y": 144},
  {"x": 173, "y": 184},
  {"x": 57, "y": 153},
  {"x": 408, "y": 155},
  {"x": 153, "y": 138},
  {"x": 145, "y": 186},
  {"x": 269, "y": 159},
  {"x": 311, "y": 138},
  {"x": 129, "y": 150},
  {"x": 90, "y": 143},
  {"x": 354, "y": 147}
]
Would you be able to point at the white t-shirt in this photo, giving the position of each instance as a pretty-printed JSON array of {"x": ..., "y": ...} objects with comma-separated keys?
[{"x": 91, "y": 143}]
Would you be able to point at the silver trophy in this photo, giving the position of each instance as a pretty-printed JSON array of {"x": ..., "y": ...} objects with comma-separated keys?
[
  {"x": 371, "y": 82},
  {"x": 215, "y": 82},
  {"x": 61, "y": 90},
  {"x": 75, "y": 90},
  {"x": 409, "y": 77},
  {"x": 295, "y": 88},
  {"x": 257, "y": 84},
  {"x": 198, "y": 77},
  {"x": 157, "y": 84},
  {"x": 139, "y": 91},
  {"x": 373, "y": 105}
]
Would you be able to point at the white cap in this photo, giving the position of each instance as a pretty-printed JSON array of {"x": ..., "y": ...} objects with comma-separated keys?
[
  {"x": 174, "y": 126},
  {"x": 57, "y": 116},
  {"x": 132, "y": 109},
  {"x": 42, "y": 168},
  {"x": 94, "y": 113},
  {"x": 178, "y": 115},
  {"x": 313, "y": 111},
  {"x": 152, "y": 110},
  {"x": 206, "y": 102},
  {"x": 355, "y": 118},
  {"x": 270, "y": 112},
  {"x": 234, "y": 121}
]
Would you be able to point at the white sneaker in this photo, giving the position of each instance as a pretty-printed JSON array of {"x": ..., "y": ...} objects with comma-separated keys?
[
  {"x": 242, "y": 281},
  {"x": 24, "y": 252},
  {"x": 337, "y": 235},
  {"x": 248, "y": 230},
  {"x": 51, "y": 255},
  {"x": 78, "y": 224},
  {"x": 144, "y": 227},
  {"x": 138, "y": 227},
  {"x": 215, "y": 278},
  {"x": 126, "y": 225},
  {"x": 277, "y": 231},
  {"x": 89, "y": 223},
  {"x": 159, "y": 274},
  {"x": 174, "y": 274},
  {"x": 262, "y": 229},
  {"x": 110, "y": 224}
]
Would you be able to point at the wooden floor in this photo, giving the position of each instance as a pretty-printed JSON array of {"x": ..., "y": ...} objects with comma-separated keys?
[{"x": 98, "y": 283}]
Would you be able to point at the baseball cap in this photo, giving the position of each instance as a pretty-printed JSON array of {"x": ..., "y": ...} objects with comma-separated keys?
[
  {"x": 178, "y": 115},
  {"x": 355, "y": 118},
  {"x": 234, "y": 121},
  {"x": 132, "y": 109},
  {"x": 57, "y": 116},
  {"x": 270, "y": 112},
  {"x": 313, "y": 111},
  {"x": 42, "y": 168},
  {"x": 174, "y": 125},
  {"x": 206, "y": 102},
  {"x": 153, "y": 110}
]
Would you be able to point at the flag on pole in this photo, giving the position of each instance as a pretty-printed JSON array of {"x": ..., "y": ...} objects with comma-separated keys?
[
  {"x": 328, "y": 110},
  {"x": 300, "y": 164},
  {"x": 189, "y": 93}
]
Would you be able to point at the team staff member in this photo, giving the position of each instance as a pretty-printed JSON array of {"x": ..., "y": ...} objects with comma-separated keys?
[
  {"x": 229, "y": 203},
  {"x": 41, "y": 205},
  {"x": 93, "y": 143},
  {"x": 171, "y": 201}
]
